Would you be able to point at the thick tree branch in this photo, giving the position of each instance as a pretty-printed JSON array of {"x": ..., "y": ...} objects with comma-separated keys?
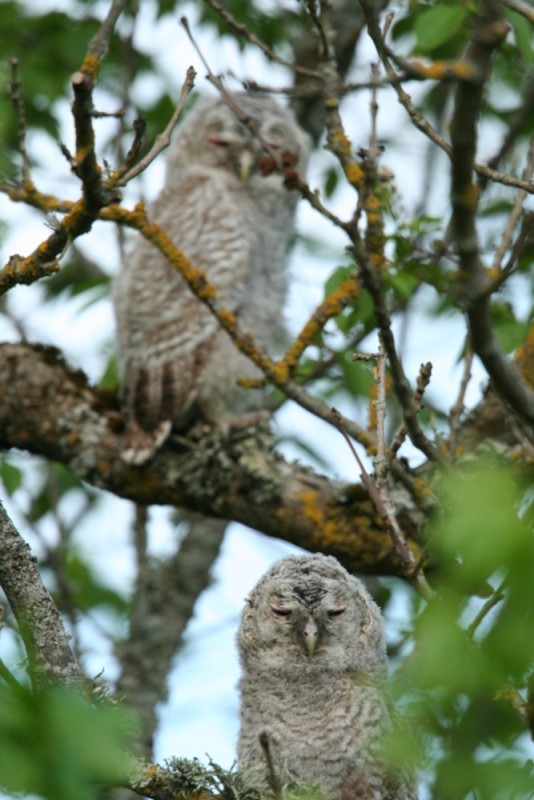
[
  {"x": 164, "y": 597},
  {"x": 489, "y": 31},
  {"x": 49, "y": 410},
  {"x": 49, "y": 655}
]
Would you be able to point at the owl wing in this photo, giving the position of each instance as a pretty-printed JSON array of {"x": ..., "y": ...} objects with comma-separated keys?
[{"x": 165, "y": 333}]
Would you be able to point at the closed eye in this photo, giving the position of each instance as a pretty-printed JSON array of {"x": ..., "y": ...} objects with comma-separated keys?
[
  {"x": 217, "y": 140},
  {"x": 335, "y": 612},
  {"x": 281, "y": 613}
]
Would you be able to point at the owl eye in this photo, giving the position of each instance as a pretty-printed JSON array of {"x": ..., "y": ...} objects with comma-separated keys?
[
  {"x": 335, "y": 612},
  {"x": 217, "y": 140},
  {"x": 281, "y": 613}
]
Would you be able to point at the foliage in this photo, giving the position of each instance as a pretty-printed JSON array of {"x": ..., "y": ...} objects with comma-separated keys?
[
  {"x": 468, "y": 679},
  {"x": 56, "y": 746}
]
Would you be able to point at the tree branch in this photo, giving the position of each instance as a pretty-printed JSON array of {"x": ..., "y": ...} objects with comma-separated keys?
[
  {"x": 50, "y": 410},
  {"x": 164, "y": 597},
  {"x": 46, "y": 641},
  {"x": 489, "y": 31}
]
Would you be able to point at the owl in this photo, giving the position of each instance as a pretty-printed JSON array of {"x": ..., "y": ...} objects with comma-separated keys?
[
  {"x": 314, "y": 705},
  {"x": 234, "y": 223}
]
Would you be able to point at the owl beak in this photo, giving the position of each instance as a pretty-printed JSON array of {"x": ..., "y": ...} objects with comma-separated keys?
[
  {"x": 245, "y": 165},
  {"x": 311, "y": 635}
]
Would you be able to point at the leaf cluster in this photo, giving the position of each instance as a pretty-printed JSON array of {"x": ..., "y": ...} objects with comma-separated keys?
[
  {"x": 56, "y": 746},
  {"x": 467, "y": 680}
]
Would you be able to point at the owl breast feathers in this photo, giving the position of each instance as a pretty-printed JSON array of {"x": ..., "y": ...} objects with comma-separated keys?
[
  {"x": 314, "y": 684},
  {"x": 235, "y": 225}
]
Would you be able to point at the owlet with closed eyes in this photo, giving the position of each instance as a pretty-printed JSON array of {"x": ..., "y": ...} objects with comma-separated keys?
[
  {"x": 236, "y": 225},
  {"x": 314, "y": 684}
]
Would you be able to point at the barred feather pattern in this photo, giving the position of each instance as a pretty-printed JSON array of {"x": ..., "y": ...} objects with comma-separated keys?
[
  {"x": 234, "y": 224},
  {"x": 314, "y": 684}
]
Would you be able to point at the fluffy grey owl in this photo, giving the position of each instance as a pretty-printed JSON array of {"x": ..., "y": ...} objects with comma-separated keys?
[
  {"x": 234, "y": 224},
  {"x": 313, "y": 657}
]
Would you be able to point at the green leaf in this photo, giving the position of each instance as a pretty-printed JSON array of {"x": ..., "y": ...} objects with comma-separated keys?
[
  {"x": 53, "y": 744},
  {"x": 404, "y": 283},
  {"x": 437, "y": 25},
  {"x": 10, "y": 476},
  {"x": 331, "y": 181},
  {"x": 87, "y": 591},
  {"x": 523, "y": 35},
  {"x": 510, "y": 331}
]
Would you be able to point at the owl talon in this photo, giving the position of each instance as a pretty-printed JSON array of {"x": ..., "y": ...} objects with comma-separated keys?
[{"x": 140, "y": 445}]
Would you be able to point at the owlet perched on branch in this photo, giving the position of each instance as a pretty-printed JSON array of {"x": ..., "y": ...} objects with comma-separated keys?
[
  {"x": 314, "y": 703},
  {"x": 236, "y": 225}
]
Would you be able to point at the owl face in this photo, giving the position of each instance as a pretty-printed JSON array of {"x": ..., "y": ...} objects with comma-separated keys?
[
  {"x": 309, "y": 611},
  {"x": 309, "y": 615},
  {"x": 223, "y": 142}
]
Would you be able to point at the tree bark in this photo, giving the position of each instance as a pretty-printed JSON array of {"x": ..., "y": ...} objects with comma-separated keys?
[
  {"x": 48, "y": 409},
  {"x": 50, "y": 658}
]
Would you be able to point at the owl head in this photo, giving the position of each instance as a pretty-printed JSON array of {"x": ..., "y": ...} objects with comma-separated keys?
[
  {"x": 309, "y": 612},
  {"x": 221, "y": 141}
]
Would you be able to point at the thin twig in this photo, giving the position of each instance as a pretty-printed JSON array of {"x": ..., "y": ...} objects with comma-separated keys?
[
  {"x": 459, "y": 405},
  {"x": 242, "y": 30},
  {"x": 386, "y": 511},
  {"x": 423, "y": 379},
  {"x": 490, "y": 603},
  {"x": 139, "y": 127},
  {"x": 515, "y": 213},
  {"x": 398, "y": 539},
  {"x": 522, "y": 8},
  {"x": 20, "y": 113},
  {"x": 99, "y": 44},
  {"x": 380, "y": 462},
  {"x": 315, "y": 202},
  {"x": 323, "y": 30},
  {"x": 304, "y": 90},
  {"x": 162, "y": 139}
]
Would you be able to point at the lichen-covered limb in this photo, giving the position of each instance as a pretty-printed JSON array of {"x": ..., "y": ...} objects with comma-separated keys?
[
  {"x": 164, "y": 596},
  {"x": 50, "y": 658},
  {"x": 47, "y": 409},
  {"x": 188, "y": 779}
]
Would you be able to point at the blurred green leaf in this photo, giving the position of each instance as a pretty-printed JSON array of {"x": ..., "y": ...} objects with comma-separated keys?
[
  {"x": 110, "y": 379},
  {"x": 523, "y": 35},
  {"x": 54, "y": 745},
  {"x": 439, "y": 24},
  {"x": 510, "y": 331},
  {"x": 331, "y": 180},
  {"x": 10, "y": 476},
  {"x": 85, "y": 589}
]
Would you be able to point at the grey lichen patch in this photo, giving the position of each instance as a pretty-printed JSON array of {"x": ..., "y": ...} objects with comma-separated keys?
[
  {"x": 82, "y": 424},
  {"x": 252, "y": 453},
  {"x": 219, "y": 464},
  {"x": 184, "y": 779}
]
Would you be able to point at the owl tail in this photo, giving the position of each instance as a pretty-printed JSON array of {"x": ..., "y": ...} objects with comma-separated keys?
[{"x": 140, "y": 445}]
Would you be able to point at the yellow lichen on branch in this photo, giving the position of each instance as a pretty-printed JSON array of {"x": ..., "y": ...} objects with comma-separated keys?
[
  {"x": 332, "y": 529},
  {"x": 91, "y": 65},
  {"x": 345, "y": 293}
]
